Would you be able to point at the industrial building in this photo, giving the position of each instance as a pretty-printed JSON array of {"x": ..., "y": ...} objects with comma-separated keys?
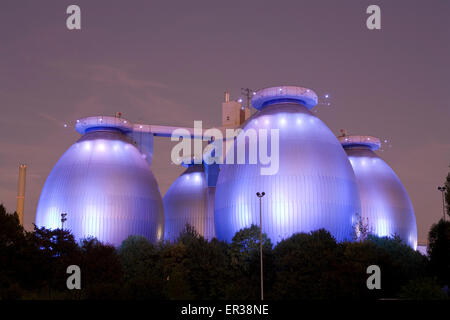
[{"x": 105, "y": 184}]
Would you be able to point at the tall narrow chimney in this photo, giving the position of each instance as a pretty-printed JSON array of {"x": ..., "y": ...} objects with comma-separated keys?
[
  {"x": 21, "y": 192},
  {"x": 227, "y": 96}
]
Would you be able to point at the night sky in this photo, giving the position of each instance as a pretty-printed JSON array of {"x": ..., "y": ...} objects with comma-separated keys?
[{"x": 169, "y": 62}]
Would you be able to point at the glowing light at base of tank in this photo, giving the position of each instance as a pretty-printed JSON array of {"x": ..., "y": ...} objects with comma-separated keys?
[
  {"x": 52, "y": 218},
  {"x": 91, "y": 221},
  {"x": 382, "y": 228},
  {"x": 412, "y": 239},
  {"x": 159, "y": 234},
  {"x": 279, "y": 219}
]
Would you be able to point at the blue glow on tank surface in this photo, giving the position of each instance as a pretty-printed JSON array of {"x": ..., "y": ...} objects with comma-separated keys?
[
  {"x": 106, "y": 188},
  {"x": 314, "y": 188},
  {"x": 385, "y": 203},
  {"x": 189, "y": 201}
]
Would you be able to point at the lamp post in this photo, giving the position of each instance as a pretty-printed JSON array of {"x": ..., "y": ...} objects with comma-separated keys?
[
  {"x": 442, "y": 190},
  {"x": 260, "y": 195},
  {"x": 63, "y": 219}
]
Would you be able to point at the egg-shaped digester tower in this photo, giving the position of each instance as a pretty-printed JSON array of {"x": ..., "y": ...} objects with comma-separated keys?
[
  {"x": 105, "y": 186},
  {"x": 189, "y": 200},
  {"x": 314, "y": 186},
  {"x": 386, "y": 207}
]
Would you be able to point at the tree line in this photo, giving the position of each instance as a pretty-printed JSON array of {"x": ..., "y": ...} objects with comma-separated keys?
[{"x": 305, "y": 266}]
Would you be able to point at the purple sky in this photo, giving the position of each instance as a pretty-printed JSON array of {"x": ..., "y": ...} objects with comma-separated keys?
[{"x": 169, "y": 62}]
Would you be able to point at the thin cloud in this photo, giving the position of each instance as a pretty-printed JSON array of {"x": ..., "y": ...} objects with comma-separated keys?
[
  {"x": 116, "y": 76},
  {"x": 102, "y": 73},
  {"x": 48, "y": 117}
]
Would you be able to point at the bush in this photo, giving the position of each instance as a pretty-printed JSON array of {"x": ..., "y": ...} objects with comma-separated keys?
[
  {"x": 307, "y": 266},
  {"x": 422, "y": 289}
]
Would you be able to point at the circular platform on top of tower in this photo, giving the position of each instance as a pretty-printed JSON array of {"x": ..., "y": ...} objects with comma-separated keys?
[
  {"x": 96, "y": 123},
  {"x": 370, "y": 142},
  {"x": 267, "y": 96}
]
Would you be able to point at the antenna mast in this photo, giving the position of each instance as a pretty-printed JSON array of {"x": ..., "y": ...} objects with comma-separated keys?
[{"x": 248, "y": 94}]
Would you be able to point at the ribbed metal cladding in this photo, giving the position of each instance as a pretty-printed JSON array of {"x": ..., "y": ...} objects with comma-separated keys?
[
  {"x": 314, "y": 188},
  {"x": 107, "y": 189},
  {"x": 188, "y": 201},
  {"x": 210, "y": 228},
  {"x": 385, "y": 203}
]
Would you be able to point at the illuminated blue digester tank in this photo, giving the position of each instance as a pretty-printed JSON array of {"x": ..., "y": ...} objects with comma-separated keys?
[
  {"x": 386, "y": 207},
  {"x": 315, "y": 186},
  {"x": 189, "y": 200},
  {"x": 105, "y": 185}
]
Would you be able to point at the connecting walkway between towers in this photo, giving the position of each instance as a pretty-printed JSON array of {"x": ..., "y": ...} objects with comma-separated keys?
[
  {"x": 142, "y": 135},
  {"x": 98, "y": 122}
]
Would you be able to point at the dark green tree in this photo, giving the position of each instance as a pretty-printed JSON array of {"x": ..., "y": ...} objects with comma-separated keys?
[
  {"x": 176, "y": 283},
  {"x": 306, "y": 266},
  {"x": 407, "y": 262},
  {"x": 143, "y": 272},
  {"x": 447, "y": 194},
  {"x": 57, "y": 250},
  {"x": 352, "y": 270},
  {"x": 245, "y": 264},
  {"x": 398, "y": 263},
  {"x": 101, "y": 272},
  {"x": 195, "y": 268},
  {"x": 439, "y": 251},
  {"x": 11, "y": 230},
  {"x": 245, "y": 246},
  {"x": 422, "y": 289},
  {"x": 12, "y": 246}
]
